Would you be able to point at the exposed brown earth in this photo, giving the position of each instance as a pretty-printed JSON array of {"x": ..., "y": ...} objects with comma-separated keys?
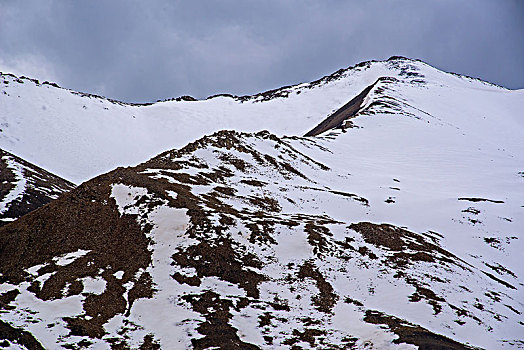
[
  {"x": 345, "y": 112},
  {"x": 474, "y": 199},
  {"x": 18, "y": 336},
  {"x": 413, "y": 334},
  {"x": 326, "y": 298}
]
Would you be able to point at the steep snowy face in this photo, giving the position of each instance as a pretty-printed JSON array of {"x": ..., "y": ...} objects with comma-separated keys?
[
  {"x": 78, "y": 136},
  {"x": 253, "y": 241},
  {"x": 25, "y": 187}
]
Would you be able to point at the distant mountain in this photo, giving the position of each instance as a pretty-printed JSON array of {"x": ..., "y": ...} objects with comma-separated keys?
[
  {"x": 25, "y": 187},
  {"x": 78, "y": 136},
  {"x": 396, "y": 225}
]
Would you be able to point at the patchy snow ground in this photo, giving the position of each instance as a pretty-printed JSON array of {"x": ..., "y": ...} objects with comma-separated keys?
[{"x": 411, "y": 221}]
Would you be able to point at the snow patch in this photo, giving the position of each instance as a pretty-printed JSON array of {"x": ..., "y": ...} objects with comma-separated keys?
[
  {"x": 126, "y": 197},
  {"x": 20, "y": 185},
  {"x": 68, "y": 258},
  {"x": 119, "y": 274},
  {"x": 94, "y": 285}
]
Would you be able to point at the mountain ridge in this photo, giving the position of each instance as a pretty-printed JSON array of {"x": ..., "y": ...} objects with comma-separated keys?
[
  {"x": 397, "y": 226},
  {"x": 94, "y": 136},
  {"x": 242, "y": 98}
]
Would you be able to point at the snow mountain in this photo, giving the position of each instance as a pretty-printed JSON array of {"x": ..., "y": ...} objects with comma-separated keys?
[
  {"x": 396, "y": 223},
  {"x": 78, "y": 136}
]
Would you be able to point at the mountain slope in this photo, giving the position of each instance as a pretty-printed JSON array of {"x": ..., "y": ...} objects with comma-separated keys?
[
  {"x": 25, "y": 187},
  {"x": 93, "y": 135},
  {"x": 254, "y": 241},
  {"x": 397, "y": 226}
]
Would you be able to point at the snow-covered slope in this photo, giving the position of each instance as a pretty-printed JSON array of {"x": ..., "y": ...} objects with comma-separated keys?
[
  {"x": 25, "y": 187},
  {"x": 78, "y": 136},
  {"x": 402, "y": 230}
]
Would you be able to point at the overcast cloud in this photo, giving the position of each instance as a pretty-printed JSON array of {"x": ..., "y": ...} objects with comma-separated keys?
[{"x": 141, "y": 51}]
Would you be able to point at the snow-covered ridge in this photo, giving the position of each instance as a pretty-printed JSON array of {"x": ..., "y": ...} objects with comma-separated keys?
[
  {"x": 25, "y": 187},
  {"x": 18, "y": 184},
  {"x": 283, "y": 91},
  {"x": 93, "y": 135}
]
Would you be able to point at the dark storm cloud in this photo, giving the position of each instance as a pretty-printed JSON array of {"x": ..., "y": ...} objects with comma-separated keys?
[{"x": 142, "y": 51}]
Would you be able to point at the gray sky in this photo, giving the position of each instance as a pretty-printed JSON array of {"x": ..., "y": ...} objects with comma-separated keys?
[{"x": 141, "y": 51}]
